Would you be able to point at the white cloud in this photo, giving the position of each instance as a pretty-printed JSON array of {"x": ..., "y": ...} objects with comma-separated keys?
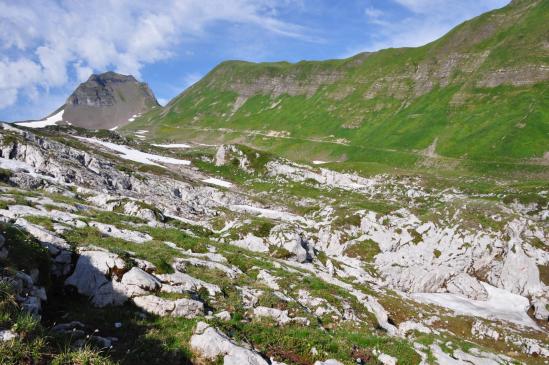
[
  {"x": 450, "y": 7},
  {"x": 191, "y": 79},
  {"x": 49, "y": 44},
  {"x": 427, "y": 20},
  {"x": 373, "y": 13}
]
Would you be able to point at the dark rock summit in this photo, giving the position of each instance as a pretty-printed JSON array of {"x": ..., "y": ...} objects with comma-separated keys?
[
  {"x": 105, "y": 101},
  {"x": 108, "y": 100}
]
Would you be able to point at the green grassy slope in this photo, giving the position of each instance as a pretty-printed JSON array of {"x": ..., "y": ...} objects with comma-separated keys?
[{"x": 480, "y": 93}]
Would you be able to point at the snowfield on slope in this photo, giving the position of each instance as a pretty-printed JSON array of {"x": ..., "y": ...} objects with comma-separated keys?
[
  {"x": 131, "y": 154},
  {"x": 57, "y": 117},
  {"x": 500, "y": 305}
]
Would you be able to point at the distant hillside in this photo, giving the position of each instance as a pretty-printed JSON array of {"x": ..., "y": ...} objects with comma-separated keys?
[{"x": 479, "y": 93}]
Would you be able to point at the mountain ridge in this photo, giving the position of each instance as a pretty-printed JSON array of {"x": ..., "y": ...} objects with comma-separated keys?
[{"x": 470, "y": 88}]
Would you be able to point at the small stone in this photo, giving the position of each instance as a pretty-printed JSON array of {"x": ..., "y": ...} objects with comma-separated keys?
[{"x": 7, "y": 335}]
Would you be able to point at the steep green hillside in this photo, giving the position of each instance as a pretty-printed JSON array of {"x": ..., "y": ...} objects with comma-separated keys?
[{"x": 480, "y": 93}]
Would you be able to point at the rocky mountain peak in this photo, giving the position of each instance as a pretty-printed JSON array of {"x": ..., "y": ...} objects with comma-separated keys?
[
  {"x": 105, "y": 101},
  {"x": 108, "y": 100}
]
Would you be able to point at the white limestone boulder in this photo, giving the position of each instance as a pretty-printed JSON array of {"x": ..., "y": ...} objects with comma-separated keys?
[
  {"x": 209, "y": 344},
  {"x": 269, "y": 280},
  {"x": 91, "y": 277},
  {"x": 252, "y": 243},
  {"x": 180, "y": 282},
  {"x": 138, "y": 282},
  {"x": 467, "y": 286}
]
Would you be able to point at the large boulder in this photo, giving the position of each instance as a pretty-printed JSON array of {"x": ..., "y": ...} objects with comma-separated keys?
[
  {"x": 138, "y": 210},
  {"x": 467, "y": 286},
  {"x": 252, "y": 243},
  {"x": 519, "y": 274},
  {"x": 138, "y": 282},
  {"x": 91, "y": 277},
  {"x": 287, "y": 237},
  {"x": 540, "y": 302},
  {"x": 210, "y": 344},
  {"x": 179, "y": 282}
]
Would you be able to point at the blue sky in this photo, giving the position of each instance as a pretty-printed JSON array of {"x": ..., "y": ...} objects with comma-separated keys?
[{"x": 48, "y": 46}]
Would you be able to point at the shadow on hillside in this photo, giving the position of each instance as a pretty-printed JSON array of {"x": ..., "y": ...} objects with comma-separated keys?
[{"x": 142, "y": 339}]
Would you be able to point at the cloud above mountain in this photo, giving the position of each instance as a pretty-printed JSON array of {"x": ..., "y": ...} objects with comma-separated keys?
[
  {"x": 45, "y": 43},
  {"x": 418, "y": 22}
]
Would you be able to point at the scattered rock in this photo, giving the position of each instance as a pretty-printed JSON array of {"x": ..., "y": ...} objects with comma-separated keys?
[
  {"x": 224, "y": 315},
  {"x": 124, "y": 234},
  {"x": 187, "y": 308},
  {"x": 231, "y": 271},
  {"x": 328, "y": 362},
  {"x": 280, "y": 316},
  {"x": 268, "y": 279},
  {"x": 145, "y": 265},
  {"x": 480, "y": 330},
  {"x": 384, "y": 358}
]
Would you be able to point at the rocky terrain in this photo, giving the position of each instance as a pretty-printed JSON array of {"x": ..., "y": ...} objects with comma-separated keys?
[
  {"x": 114, "y": 250},
  {"x": 390, "y": 208},
  {"x": 105, "y": 101}
]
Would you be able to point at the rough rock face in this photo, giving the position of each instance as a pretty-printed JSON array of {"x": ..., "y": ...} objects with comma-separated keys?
[
  {"x": 28, "y": 293},
  {"x": 48, "y": 160},
  {"x": 108, "y": 100}
]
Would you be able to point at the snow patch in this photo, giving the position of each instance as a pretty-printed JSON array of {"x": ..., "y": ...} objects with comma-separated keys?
[
  {"x": 172, "y": 145},
  {"x": 44, "y": 122},
  {"x": 501, "y": 304},
  {"x": 133, "y": 117},
  {"x": 218, "y": 182},
  {"x": 131, "y": 154},
  {"x": 268, "y": 213}
]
